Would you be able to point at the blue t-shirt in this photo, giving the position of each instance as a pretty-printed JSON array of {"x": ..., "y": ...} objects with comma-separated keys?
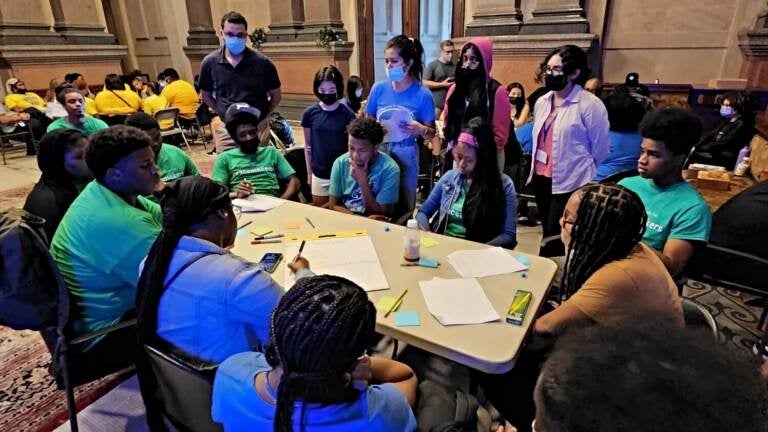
[
  {"x": 238, "y": 406},
  {"x": 383, "y": 176},
  {"x": 328, "y": 136},
  {"x": 391, "y": 107},
  {"x": 524, "y": 136},
  {"x": 625, "y": 151},
  {"x": 674, "y": 212}
]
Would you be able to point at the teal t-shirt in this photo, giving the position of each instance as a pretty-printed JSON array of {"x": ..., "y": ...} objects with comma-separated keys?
[
  {"x": 674, "y": 212},
  {"x": 174, "y": 163},
  {"x": 90, "y": 125},
  {"x": 383, "y": 176},
  {"x": 455, "y": 226},
  {"x": 97, "y": 248},
  {"x": 262, "y": 169}
]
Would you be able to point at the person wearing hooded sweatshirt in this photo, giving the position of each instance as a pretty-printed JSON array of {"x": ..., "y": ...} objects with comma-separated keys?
[
  {"x": 476, "y": 94},
  {"x": 64, "y": 175}
]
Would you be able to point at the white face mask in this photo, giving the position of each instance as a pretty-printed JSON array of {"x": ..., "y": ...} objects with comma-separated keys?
[{"x": 359, "y": 93}]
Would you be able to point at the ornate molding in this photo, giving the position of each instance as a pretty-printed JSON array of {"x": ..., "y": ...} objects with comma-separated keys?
[
  {"x": 536, "y": 45},
  {"x": 57, "y": 54},
  {"x": 293, "y": 50}
]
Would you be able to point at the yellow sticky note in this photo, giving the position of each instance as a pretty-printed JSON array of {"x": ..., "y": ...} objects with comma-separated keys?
[
  {"x": 385, "y": 303},
  {"x": 261, "y": 230},
  {"x": 429, "y": 242},
  {"x": 292, "y": 225}
]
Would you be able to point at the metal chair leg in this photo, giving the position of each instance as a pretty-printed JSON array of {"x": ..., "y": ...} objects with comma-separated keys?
[{"x": 68, "y": 389}]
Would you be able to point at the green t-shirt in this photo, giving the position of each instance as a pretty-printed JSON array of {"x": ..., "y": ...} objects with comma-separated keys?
[
  {"x": 90, "y": 125},
  {"x": 97, "y": 248},
  {"x": 674, "y": 212},
  {"x": 174, "y": 163},
  {"x": 262, "y": 169},
  {"x": 383, "y": 176},
  {"x": 455, "y": 226}
]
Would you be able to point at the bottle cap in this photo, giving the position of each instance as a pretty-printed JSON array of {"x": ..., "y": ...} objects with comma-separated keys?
[{"x": 412, "y": 223}]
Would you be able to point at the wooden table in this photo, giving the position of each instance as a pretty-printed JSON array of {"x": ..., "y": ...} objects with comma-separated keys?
[
  {"x": 490, "y": 347},
  {"x": 716, "y": 198}
]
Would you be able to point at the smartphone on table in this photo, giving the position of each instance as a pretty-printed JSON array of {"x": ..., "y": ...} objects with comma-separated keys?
[{"x": 270, "y": 261}]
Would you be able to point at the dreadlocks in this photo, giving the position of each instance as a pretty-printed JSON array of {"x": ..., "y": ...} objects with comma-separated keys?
[
  {"x": 317, "y": 332},
  {"x": 609, "y": 223},
  {"x": 185, "y": 202}
]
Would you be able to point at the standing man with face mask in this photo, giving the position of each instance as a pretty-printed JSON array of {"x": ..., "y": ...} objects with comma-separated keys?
[
  {"x": 236, "y": 73},
  {"x": 438, "y": 76}
]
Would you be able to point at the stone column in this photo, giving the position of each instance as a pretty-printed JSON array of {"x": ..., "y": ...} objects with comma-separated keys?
[
  {"x": 28, "y": 22},
  {"x": 754, "y": 45},
  {"x": 287, "y": 21},
  {"x": 495, "y": 18},
  {"x": 202, "y": 37},
  {"x": 78, "y": 22},
  {"x": 558, "y": 17},
  {"x": 323, "y": 13}
]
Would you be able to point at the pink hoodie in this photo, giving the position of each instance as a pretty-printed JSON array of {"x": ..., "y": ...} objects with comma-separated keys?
[{"x": 501, "y": 108}]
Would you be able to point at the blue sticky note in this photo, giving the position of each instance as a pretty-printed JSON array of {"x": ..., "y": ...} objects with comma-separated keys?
[
  {"x": 523, "y": 260},
  {"x": 407, "y": 319},
  {"x": 428, "y": 262},
  {"x": 241, "y": 232}
]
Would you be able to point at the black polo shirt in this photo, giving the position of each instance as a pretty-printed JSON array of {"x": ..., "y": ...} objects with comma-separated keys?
[{"x": 248, "y": 82}]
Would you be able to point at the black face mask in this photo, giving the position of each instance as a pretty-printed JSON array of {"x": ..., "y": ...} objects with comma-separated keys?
[
  {"x": 250, "y": 146},
  {"x": 555, "y": 82},
  {"x": 514, "y": 100},
  {"x": 328, "y": 98}
]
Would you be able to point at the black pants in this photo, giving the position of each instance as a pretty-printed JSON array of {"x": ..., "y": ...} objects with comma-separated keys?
[{"x": 551, "y": 206}]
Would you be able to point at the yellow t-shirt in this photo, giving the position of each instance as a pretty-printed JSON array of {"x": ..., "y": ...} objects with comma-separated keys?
[
  {"x": 90, "y": 107},
  {"x": 155, "y": 103},
  {"x": 108, "y": 102},
  {"x": 19, "y": 102},
  {"x": 182, "y": 95}
]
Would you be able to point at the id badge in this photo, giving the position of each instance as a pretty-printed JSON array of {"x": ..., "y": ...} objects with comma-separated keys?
[{"x": 541, "y": 156}]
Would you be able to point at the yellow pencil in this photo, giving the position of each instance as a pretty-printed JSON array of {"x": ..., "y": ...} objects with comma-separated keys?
[{"x": 396, "y": 303}]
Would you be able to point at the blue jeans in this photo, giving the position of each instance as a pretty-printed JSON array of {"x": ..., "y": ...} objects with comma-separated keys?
[{"x": 406, "y": 154}]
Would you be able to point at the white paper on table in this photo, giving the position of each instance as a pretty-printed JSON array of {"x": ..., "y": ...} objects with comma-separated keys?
[
  {"x": 354, "y": 258},
  {"x": 484, "y": 262},
  {"x": 257, "y": 203},
  {"x": 457, "y": 301}
]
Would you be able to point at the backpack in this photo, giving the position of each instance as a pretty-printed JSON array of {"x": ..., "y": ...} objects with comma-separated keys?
[
  {"x": 441, "y": 410},
  {"x": 281, "y": 128},
  {"x": 30, "y": 284}
]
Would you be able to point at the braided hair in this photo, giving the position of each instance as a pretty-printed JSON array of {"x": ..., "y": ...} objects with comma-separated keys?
[
  {"x": 317, "y": 332},
  {"x": 609, "y": 223},
  {"x": 185, "y": 202}
]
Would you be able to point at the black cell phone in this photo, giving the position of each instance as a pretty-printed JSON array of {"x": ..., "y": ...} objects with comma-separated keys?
[{"x": 270, "y": 261}]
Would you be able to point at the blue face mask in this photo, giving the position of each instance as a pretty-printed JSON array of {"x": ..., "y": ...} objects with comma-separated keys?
[
  {"x": 396, "y": 74},
  {"x": 726, "y": 111},
  {"x": 235, "y": 45}
]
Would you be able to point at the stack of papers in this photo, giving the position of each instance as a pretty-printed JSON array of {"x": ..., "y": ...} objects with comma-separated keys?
[
  {"x": 484, "y": 262},
  {"x": 457, "y": 301},
  {"x": 354, "y": 258},
  {"x": 257, "y": 203}
]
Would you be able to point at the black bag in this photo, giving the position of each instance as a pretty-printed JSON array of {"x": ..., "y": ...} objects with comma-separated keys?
[
  {"x": 281, "y": 128},
  {"x": 29, "y": 282}
]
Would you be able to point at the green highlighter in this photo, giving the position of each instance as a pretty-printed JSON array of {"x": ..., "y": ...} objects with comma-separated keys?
[{"x": 519, "y": 306}]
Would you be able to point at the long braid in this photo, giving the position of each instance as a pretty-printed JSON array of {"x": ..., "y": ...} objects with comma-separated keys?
[
  {"x": 317, "y": 332},
  {"x": 609, "y": 223},
  {"x": 184, "y": 202}
]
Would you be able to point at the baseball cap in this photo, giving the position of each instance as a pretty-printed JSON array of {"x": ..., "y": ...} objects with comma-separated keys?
[
  {"x": 633, "y": 79},
  {"x": 238, "y": 109}
]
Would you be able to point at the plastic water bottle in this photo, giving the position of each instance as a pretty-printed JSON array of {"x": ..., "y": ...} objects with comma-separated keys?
[
  {"x": 412, "y": 241},
  {"x": 741, "y": 168},
  {"x": 744, "y": 152}
]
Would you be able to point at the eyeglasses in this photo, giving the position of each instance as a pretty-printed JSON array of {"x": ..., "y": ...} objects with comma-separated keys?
[
  {"x": 471, "y": 62},
  {"x": 553, "y": 70},
  {"x": 568, "y": 222},
  {"x": 237, "y": 211}
]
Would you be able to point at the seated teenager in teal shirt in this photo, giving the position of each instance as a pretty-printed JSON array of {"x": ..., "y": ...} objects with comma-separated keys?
[
  {"x": 171, "y": 161},
  {"x": 74, "y": 103},
  {"x": 105, "y": 234},
  {"x": 364, "y": 181},
  {"x": 473, "y": 200},
  {"x": 678, "y": 217},
  {"x": 314, "y": 376},
  {"x": 252, "y": 168}
]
